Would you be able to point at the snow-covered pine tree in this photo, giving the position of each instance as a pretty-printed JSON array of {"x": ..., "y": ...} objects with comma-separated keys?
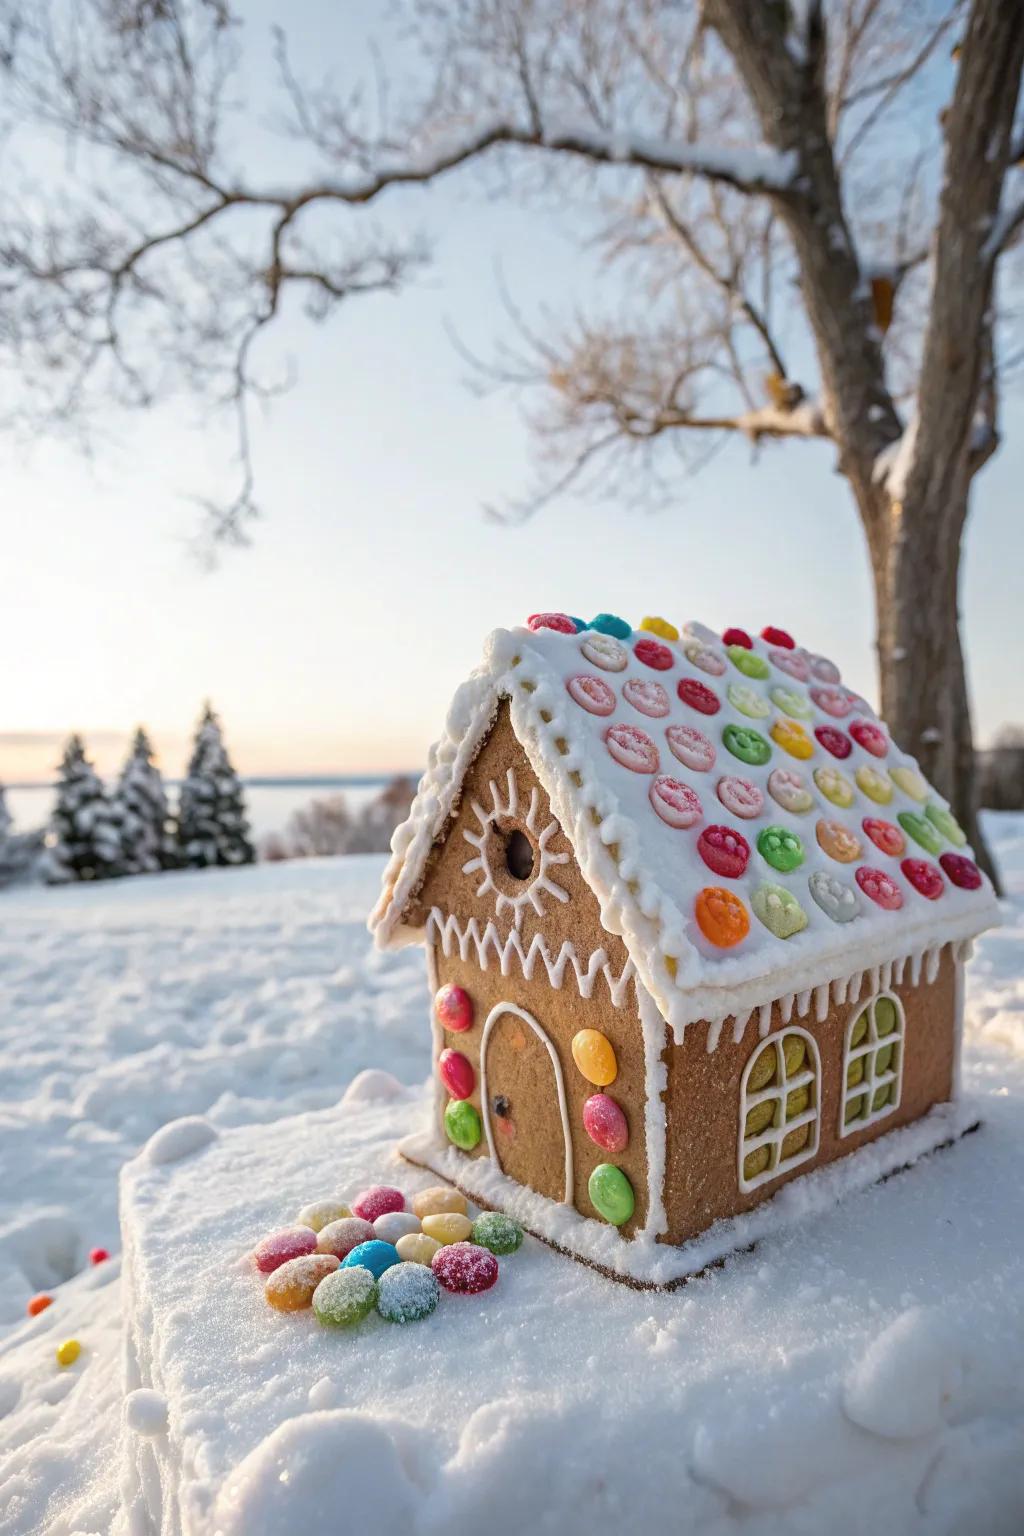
[
  {"x": 212, "y": 824},
  {"x": 84, "y": 840},
  {"x": 140, "y": 804}
]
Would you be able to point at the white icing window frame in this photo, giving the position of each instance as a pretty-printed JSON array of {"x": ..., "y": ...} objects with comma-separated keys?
[
  {"x": 773, "y": 1137},
  {"x": 868, "y": 1051},
  {"x": 485, "y": 1102}
]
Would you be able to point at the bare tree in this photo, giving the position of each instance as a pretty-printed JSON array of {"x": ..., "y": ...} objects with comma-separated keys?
[{"x": 812, "y": 246}]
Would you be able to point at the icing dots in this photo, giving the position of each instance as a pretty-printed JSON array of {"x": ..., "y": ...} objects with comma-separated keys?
[
  {"x": 924, "y": 877},
  {"x": 779, "y": 910},
  {"x": 721, "y": 917},
  {"x": 632, "y": 748},
  {"x": 724, "y": 851},
  {"x": 706, "y": 657},
  {"x": 591, "y": 693},
  {"x": 738, "y": 637},
  {"x": 748, "y": 701},
  {"x": 880, "y": 887},
  {"x": 832, "y": 701},
  {"x": 740, "y": 797},
  {"x": 921, "y": 830},
  {"x": 836, "y": 899},
  {"x": 662, "y": 627},
  {"x": 875, "y": 785},
  {"x": 837, "y": 841},
  {"x": 691, "y": 747},
  {"x": 835, "y": 786},
  {"x": 594, "y": 1056},
  {"x": 780, "y": 637},
  {"x": 605, "y": 651},
  {"x": 780, "y": 848},
  {"x": 698, "y": 696},
  {"x": 748, "y": 662},
  {"x": 605, "y": 1123},
  {"x": 909, "y": 781},
  {"x": 653, "y": 654},
  {"x": 793, "y": 663},
  {"x": 791, "y": 701},
  {"x": 871, "y": 737},
  {"x": 789, "y": 789},
  {"x": 675, "y": 802},
  {"x": 611, "y": 624},
  {"x": 833, "y": 740},
  {"x": 962, "y": 871},
  {"x": 945, "y": 822},
  {"x": 647, "y": 696},
  {"x": 885, "y": 836},
  {"x": 792, "y": 738},
  {"x": 746, "y": 744},
  {"x": 824, "y": 670}
]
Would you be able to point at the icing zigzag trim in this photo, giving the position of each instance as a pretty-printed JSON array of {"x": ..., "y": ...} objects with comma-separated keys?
[{"x": 448, "y": 931}]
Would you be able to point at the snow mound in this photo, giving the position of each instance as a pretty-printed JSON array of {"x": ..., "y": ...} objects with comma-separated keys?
[
  {"x": 180, "y": 1139},
  {"x": 145, "y": 1412},
  {"x": 907, "y": 1378},
  {"x": 372, "y": 1086}
]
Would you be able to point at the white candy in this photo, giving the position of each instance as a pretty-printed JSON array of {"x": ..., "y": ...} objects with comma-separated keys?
[{"x": 395, "y": 1224}]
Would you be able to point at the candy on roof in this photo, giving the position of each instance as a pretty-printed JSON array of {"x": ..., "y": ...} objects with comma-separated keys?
[{"x": 746, "y": 822}]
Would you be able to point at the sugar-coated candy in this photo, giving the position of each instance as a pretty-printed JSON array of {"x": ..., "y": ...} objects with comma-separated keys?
[
  {"x": 724, "y": 851},
  {"x": 707, "y": 657},
  {"x": 462, "y": 1124},
  {"x": 734, "y": 636},
  {"x": 68, "y": 1352},
  {"x": 417, "y": 1248},
  {"x": 594, "y": 1055},
  {"x": 611, "y": 624},
  {"x": 646, "y": 695},
  {"x": 611, "y": 1193},
  {"x": 440, "y": 1197},
  {"x": 835, "y": 786},
  {"x": 789, "y": 790},
  {"x": 632, "y": 748},
  {"x": 653, "y": 654},
  {"x": 465, "y": 1268},
  {"x": 837, "y": 841},
  {"x": 792, "y": 702},
  {"x": 721, "y": 916},
  {"x": 779, "y": 910},
  {"x": 871, "y": 737},
  {"x": 691, "y": 746},
  {"x": 962, "y": 871},
  {"x": 605, "y": 652},
  {"x": 662, "y": 627},
  {"x": 447, "y": 1227},
  {"x": 878, "y": 885},
  {"x": 793, "y": 663},
  {"x": 279, "y": 1247},
  {"x": 395, "y": 1224},
  {"x": 591, "y": 693},
  {"x": 407, "y": 1292},
  {"x": 776, "y": 636},
  {"x": 834, "y": 740},
  {"x": 374, "y": 1256},
  {"x": 910, "y": 781},
  {"x": 453, "y": 1008},
  {"x": 39, "y": 1303},
  {"x": 345, "y": 1297},
  {"x": 824, "y": 670},
  {"x": 833, "y": 701},
  {"x": 944, "y": 820},
  {"x": 877, "y": 786},
  {"x": 498, "y": 1232},
  {"x": 748, "y": 662},
  {"x": 792, "y": 738},
  {"x": 780, "y": 848},
  {"x": 675, "y": 802},
  {"x": 376, "y": 1200},
  {"x": 605, "y": 1123},
  {"x": 836, "y": 899},
  {"x": 921, "y": 830},
  {"x": 456, "y": 1072},
  {"x": 98, "y": 1255},
  {"x": 560, "y": 622},
  {"x": 698, "y": 696},
  {"x": 740, "y": 797},
  {"x": 291, "y": 1287},
  {"x": 924, "y": 877},
  {"x": 748, "y": 701},
  {"x": 746, "y": 744},
  {"x": 341, "y": 1236},
  {"x": 321, "y": 1213},
  {"x": 885, "y": 836}
]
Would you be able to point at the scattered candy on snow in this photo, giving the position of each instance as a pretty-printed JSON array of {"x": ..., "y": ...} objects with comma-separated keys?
[
  {"x": 39, "y": 1303},
  {"x": 374, "y": 1256},
  {"x": 377, "y": 1200},
  {"x": 321, "y": 1213},
  {"x": 416, "y": 1248},
  {"x": 407, "y": 1292},
  {"x": 440, "y": 1197},
  {"x": 345, "y": 1297},
  {"x": 68, "y": 1352},
  {"x": 395, "y": 1224},
  {"x": 465, "y": 1268},
  {"x": 341, "y": 1236},
  {"x": 497, "y": 1232},
  {"x": 279, "y": 1247},
  {"x": 98, "y": 1255},
  {"x": 291, "y": 1287}
]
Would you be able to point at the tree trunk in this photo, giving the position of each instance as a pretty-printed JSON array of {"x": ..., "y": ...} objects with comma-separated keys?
[{"x": 924, "y": 699}]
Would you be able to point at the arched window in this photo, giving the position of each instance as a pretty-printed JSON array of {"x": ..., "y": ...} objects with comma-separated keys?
[
  {"x": 872, "y": 1063},
  {"x": 780, "y": 1095}
]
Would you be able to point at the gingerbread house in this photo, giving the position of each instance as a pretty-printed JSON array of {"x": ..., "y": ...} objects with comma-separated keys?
[{"x": 695, "y": 929}]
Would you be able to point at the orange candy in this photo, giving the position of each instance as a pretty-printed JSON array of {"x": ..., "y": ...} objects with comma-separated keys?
[
  {"x": 291, "y": 1286},
  {"x": 792, "y": 738},
  {"x": 39, "y": 1303},
  {"x": 721, "y": 916},
  {"x": 837, "y": 841}
]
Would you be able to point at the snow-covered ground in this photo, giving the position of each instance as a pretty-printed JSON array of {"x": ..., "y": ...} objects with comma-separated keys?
[{"x": 865, "y": 1374}]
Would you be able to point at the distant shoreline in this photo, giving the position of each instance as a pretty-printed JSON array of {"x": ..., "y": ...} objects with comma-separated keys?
[{"x": 271, "y": 781}]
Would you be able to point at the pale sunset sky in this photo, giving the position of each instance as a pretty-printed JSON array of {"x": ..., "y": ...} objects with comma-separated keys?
[{"x": 335, "y": 642}]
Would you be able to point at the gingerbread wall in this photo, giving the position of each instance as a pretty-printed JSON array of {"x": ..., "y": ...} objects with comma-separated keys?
[
  {"x": 528, "y": 1130},
  {"x": 703, "y": 1099}
]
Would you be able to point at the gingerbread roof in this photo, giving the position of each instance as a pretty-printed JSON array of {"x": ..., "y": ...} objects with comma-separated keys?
[{"x": 746, "y": 822}]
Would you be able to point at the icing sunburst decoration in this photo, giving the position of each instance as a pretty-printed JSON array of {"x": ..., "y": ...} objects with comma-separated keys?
[{"x": 545, "y": 859}]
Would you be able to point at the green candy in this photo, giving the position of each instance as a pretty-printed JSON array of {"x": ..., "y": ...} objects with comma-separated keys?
[
  {"x": 780, "y": 848},
  {"x": 748, "y": 701},
  {"x": 748, "y": 662},
  {"x": 947, "y": 824},
  {"x": 792, "y": 703},
  {"x": 746, "y": 743},
  {"x": 921, "y": 830},
  {"x": 497, "y": 1232},
  {"x": 779, "y": 910},
  {"x": 345, "y": 1298},
  {"x": 611, "y": 1193},
  {"x": 462, "y": 1123}
]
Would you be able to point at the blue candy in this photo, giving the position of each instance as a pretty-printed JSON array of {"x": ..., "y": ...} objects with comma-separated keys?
[
  {"x": 376, "y": 1256},
  {"x": 581, "y": 624},
  {"x": 610, "y": 624}
]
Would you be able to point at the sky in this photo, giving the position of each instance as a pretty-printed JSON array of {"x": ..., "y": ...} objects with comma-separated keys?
[{"x": 334, "y": 643}]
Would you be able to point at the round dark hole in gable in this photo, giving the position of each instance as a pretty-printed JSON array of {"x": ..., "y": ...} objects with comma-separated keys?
[{"x": 519, "y": 855}]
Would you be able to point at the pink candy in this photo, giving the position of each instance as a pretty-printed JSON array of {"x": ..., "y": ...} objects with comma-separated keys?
[
  {"x": 377, "y": 1201},
  {"x": 675, "y": 802},
  {"x": 632, "y": 748},
  {"x": 341, "y": 1236},
  {"x": 605, "y": 1123},
  {"x": 591, "y": 693},
  {"x": 647, "y": 696},
  {"x": 280, "y": 1247},
  {"x": 456, "y": 1072},
  {"x": 464, "y": 1268}
]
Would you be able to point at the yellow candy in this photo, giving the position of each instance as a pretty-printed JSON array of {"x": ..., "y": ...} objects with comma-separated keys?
[
  {"x": 874, "y": 784},
  {"x": 792, "y": 738},
  {"x": 68, "y": 1352},
  {"x": 835, "y": 786},
  {"x": 910, "y": 782},
  {"x": 322, "y": 1213},
  {"x": 431, "y": 1202},
  {"x": 291, "y": 1287},
  {"x": 660, "y": 627},
  {"x": 594, "y": 1054},
  {"x": 447, "y": 1227},
  {"x": 417, "y": 1247}
]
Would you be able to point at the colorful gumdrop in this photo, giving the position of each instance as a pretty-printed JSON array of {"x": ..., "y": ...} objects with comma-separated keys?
[
  {"x": 792, "y": 702},
  {"x": 406, "y": 1293},
  {"x": 647, "y": 696},
  {"x": 721, "y": 916},
  {"x": 462, "y": 1124},
  {"x": 662, "y": 627},
  {"x": 946, "y": 823},
  {"x": 833, "y": 701},
  {"x": 395, "y": 1224},
  {"x": 792, "y": 738},
  {"x": 375, "y": 1256},
  {"x": 871, "y": 737},
  {"x": 376, "y": 1201},
  {"x": 780, "y": 848},
  {"x": 497, "y": 1232},
  {"x": 605, "y": 652},
  {"x": 909, "y": 781},
  {"x": 98, "y": 1255},
  {"x": 38, "y": 1303},
  {"x": 605, "y": 1123},
  {"x": 773, "y": 635},
  {"x": 875, "y": 785},
  {"x": 594, "y": 1056},
  {"x": 344, "y": 1298},
  {"x": 653, "y": 654},
  {"x": 632, "y": 748},
  {"x": 611, "y": 1193},
  {"x": 746, "y": 744},
  {"x": 788, "y": 789},
  {"x": 321, "y": 1213},
  {"x": 885, "y": 836},
  {"x": 748, "y": 701},
  {"x": 591, "y": 693},
  {"x": 447, "y": 1227},
  {"x": 611, "y": 624},
  {"x": 417, "y": 1248},
  {"x": 453, "y": 1008},
  {"x": 921, "y": 830},
  {"x": 706, "y": 657},
  {"x": 456, "y": 1072},
  {"x": 881, "y": 889},
  {"x": 68, "y": 1352},
  {"x": 736, "y": 636},
  {"x": 341, "y": 1236},
  {"x": 836, "y": 899},
  {"x": 779, "y": 910},
  {"x": 837, "y": 841},
  {"x": 833, "y": 740},
  {"x": 724, "y": 851},
  {"x": 465, "y": 1268},
  {"x": 748, "y": 662},
  {"x": 793, "y": 663},
  {"x": 691, "y": 747},
  {"x": 740, "y": 797},
  {"x": 963, "y": 872},
  {"x": 560, "y": 622},
  {"x": 835, "y": 786},
  {"x": 697, "y": 695},
  {"x": 440, "y": 1197},
  {"x": 824, "y": 670},
  {"x": 924, "y": 877},
  {"x": 291, "y": 1287},
  {"x": 279, "y": 1247},
  {"x": 675, "y": 802}
]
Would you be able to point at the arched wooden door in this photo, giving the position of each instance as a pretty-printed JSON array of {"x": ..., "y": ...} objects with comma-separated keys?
[{"x": 524, "y": 1106}]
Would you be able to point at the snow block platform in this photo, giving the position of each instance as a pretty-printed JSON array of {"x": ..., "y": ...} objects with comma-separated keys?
[{"x": 862, "y": 1370}]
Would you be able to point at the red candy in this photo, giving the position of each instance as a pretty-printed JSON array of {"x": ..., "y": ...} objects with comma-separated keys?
[
  {"x": 632, "y": 748},
  {"x": 39, "y": 1303},
  {"x": 738, "y": 637},
  {"x": 648, "y": 697},
  {"x": 380, "y": 1199},
  {"x": 98, "y": 1256},
  {"x": 280, "y": 1247},
  {"x": 591, "y": 693},
  {"x": 836, "y": 742},
  {"x": 675, "y": 802},
  {"x": 456, "y": 1072},
  {"x": 691, "y": 746},
  {"x": 464, "y": 1268},
  {"x": 605, "y": 1123},
  {"x": 653, "y": 654},
  {"x": 698, "y": 695},
  {"x": 557, "y": 621},
  {"x": 877, "y": 884},
  {"x": 454, "y": 1008},
  {"x": 724, "y": 851},
  {"x": 885, "y": 835},
  {"x": 924, "y": 877},
  {"x": 776, "y": 636},
  {"x": 962, "y": 871},
  {"x": 869, "y": 737}
]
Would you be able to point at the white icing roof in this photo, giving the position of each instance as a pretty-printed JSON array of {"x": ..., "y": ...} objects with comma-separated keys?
[{"x": 648, "y": 873}]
